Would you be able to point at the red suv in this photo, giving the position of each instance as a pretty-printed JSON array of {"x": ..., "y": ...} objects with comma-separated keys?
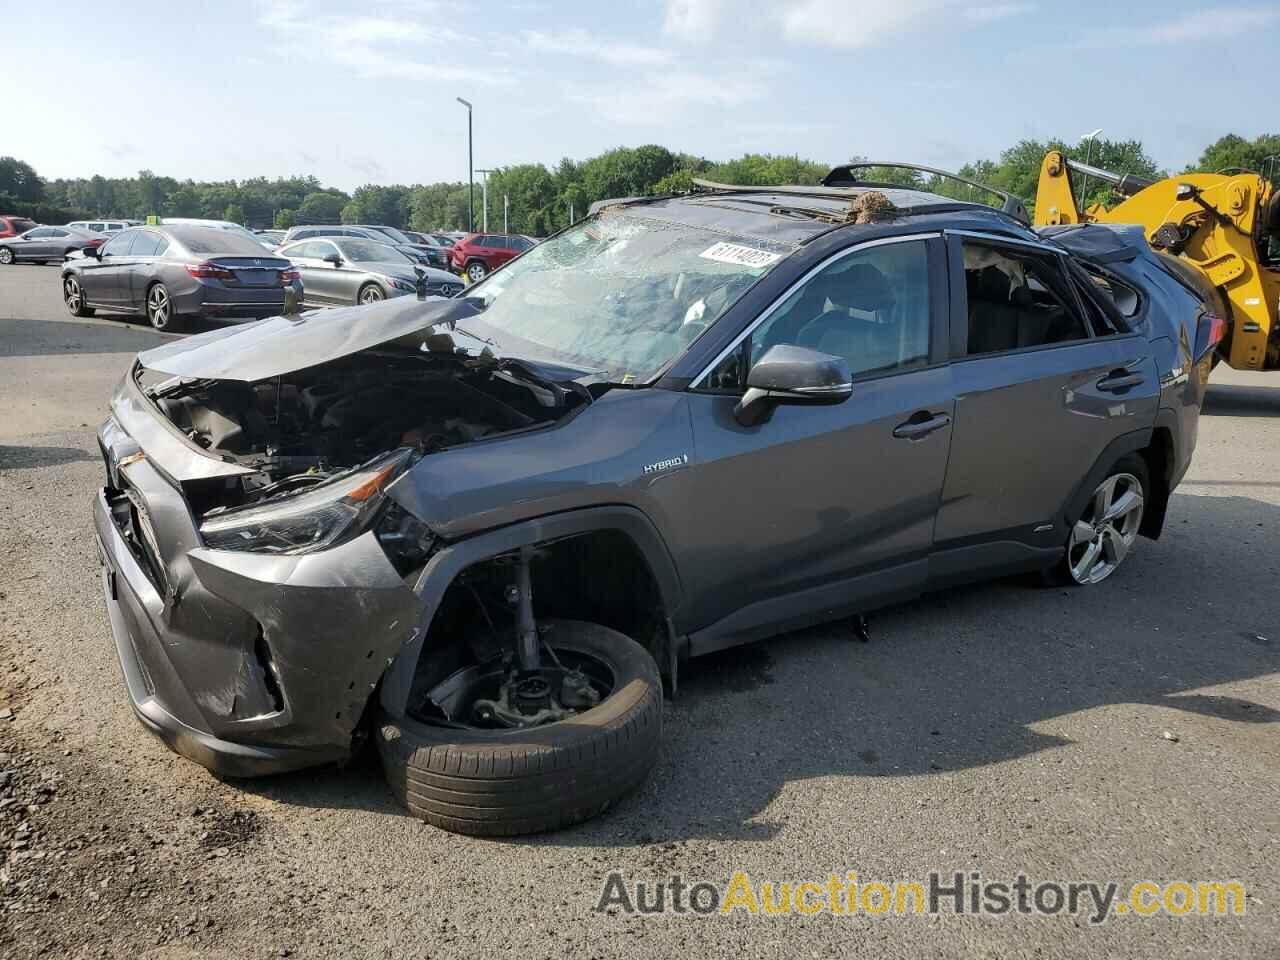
[
  {"x": 477, "y": 254},
  {"x": 11, "y": 226}
]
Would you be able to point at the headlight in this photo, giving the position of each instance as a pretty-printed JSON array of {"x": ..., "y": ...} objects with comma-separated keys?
[
  {"x": 312, "y": 520},
  {"x": 402, "y": 285}
]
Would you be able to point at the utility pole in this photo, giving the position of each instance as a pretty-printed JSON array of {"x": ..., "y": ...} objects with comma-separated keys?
[
  {"x": 484, "y": 184},
  {"x": 505, "y": 205},
  {"x": 471, "y": 176}
]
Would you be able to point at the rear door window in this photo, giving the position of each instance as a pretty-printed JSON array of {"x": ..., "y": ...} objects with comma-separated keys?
[
  {"x": 1017, "y": 299},
  {"x": 146, "y": 244}
]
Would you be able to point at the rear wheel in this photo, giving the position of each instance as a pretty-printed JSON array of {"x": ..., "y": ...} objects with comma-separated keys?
[
  {"x": 160, "y": 308},
  {"x": 477, "y": 271},
  {"x": 73, "y": 297},
  {"x": 1106, "y": 531},
  {"x": 370, "y": 293},
  {"x": 6, "y": 256},
  {"x": 496, "y": 770}
]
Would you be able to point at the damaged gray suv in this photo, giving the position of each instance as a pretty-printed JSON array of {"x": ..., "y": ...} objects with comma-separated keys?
[{"x": 481, "y": 531}]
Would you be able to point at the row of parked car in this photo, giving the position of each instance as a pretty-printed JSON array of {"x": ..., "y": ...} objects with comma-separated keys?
[{"x": 183, "y": 268}]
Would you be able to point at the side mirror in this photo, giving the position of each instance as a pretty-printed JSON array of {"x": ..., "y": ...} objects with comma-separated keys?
[
  {"x": 789, "y": 374},
  {"x": 334, "y": 258},
  {"x": 95, "y": 252}
]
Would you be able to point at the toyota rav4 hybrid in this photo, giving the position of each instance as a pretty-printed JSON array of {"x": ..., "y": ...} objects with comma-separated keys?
[{"x": 481, "y": 530}]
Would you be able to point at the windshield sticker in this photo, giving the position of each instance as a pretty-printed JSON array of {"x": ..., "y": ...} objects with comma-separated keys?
[{"x": 738, "y": 254}]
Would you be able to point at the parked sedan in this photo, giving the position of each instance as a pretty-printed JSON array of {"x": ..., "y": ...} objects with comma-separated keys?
[
  {"x": 172, "y": 273},
  {"x": 340, "y": 271},
  {"x": 430, "y": 253},
  {"x": 42, "y": 244},
  {"x": 413, "y": 252}
]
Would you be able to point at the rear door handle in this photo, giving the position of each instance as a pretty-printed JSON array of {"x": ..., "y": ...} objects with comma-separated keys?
[
  {"x": 1120, "y": 380},
  {"x": 921, "y": 425}
]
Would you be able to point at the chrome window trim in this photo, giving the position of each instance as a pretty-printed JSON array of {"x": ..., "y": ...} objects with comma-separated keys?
[
  {"x": 1000, "y": 238},
  {"x": 782, "y": 298}
]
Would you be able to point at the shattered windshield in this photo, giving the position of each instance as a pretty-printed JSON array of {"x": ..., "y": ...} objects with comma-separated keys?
[{"x": 620, "y": 294}]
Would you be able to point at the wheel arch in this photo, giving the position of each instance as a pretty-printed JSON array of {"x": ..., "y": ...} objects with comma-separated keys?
[
  {"x": 1161, "y": 459},
  {"x": 1120, "y": 447},
  {"x": 444, "y": 567}
]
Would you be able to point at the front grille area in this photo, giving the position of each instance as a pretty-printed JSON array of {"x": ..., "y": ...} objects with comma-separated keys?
[{"x": 131, "y": 520}]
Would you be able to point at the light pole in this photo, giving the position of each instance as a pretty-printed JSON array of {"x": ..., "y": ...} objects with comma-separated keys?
[
  {"x": 471, "y": 176},
  {"x": 484, "y": 197},
  {"x": 1088, "y": 159}
]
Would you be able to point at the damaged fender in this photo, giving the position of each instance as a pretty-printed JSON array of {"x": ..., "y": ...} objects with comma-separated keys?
[{"x": 447, "y": 563}]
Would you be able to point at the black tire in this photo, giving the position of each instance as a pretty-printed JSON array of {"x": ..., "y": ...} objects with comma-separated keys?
[
  {"x": 507, "y": 782},
  {"x": 477, "y": 270},
  {"x": 165, "y": 319},
  {"x": 7, "y": 257},
  {"x": 370, "y": 293},
  {"x": 73, "y": 297},
  {"x": 1132, "y": 466}
]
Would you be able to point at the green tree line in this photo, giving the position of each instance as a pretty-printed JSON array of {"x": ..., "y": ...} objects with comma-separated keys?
[{"x": 541, "y": 199}]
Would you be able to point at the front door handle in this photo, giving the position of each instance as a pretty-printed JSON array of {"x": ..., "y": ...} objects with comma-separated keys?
[
  {"x": 921, "y": 425},
  {"x": 1119, "y": 380}
]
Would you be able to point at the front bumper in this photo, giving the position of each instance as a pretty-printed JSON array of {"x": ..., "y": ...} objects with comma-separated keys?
[{"x": 247, "y": 664}]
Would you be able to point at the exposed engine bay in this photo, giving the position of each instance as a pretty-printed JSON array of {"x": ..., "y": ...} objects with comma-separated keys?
[{"x": 303, "y": 428}]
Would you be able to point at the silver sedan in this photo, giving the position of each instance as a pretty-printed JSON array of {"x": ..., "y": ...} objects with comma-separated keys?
[
  {"x": 42, "y": 244},
  {"x": 342, "y": 271}
]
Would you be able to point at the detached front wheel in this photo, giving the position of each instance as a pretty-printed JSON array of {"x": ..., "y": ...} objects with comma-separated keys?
[{"x": 476, "y": 773}]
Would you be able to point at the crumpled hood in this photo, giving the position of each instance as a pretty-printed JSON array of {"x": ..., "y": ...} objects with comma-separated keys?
[{"x": 280, "y": 345}]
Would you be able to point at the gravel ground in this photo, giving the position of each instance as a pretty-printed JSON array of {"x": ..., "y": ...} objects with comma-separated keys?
[{"x": 1125, "y": 732}]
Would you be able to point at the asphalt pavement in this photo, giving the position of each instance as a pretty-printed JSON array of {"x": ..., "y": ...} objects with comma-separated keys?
[{"x": 1124, "y": 732}]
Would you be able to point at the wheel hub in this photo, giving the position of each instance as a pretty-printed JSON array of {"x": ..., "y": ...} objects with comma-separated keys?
[{"x": 1102, "y": 538}]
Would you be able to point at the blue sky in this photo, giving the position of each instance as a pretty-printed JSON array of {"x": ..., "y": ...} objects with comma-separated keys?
[{"x": 364, "y": 92}]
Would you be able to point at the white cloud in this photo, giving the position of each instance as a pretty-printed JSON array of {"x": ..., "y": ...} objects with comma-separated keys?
[
  {"x": 830, "y": 23},
  {"x": 1224, "y": 23},
  {"x": 693, "y": 19},
  {"x": 997, "y": 11},
  {"x": 392, "y": 44},
  {"x": 660, "y": 97},
  {"x": 854, "y": 23},
  {"x": 1205, "y": 24},
  {"x": 579, "y": 43}
]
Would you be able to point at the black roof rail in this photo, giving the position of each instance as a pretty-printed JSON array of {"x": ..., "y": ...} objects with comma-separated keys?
[{"x": 844, "y": 175}]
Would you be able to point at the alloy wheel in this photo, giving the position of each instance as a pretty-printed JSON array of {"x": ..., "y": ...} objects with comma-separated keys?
[
  {"x": 371, "y": 294},
  {"x": 1102, "y": 538},
  {"x": 158, "y": 307},
  {"x": 477, "y": 272},
  {"x": 72, "y": 295},
  {"x": 6, "y": 256}
]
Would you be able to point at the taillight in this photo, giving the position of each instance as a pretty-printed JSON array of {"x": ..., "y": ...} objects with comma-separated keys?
[
  {"x": 1210, "y": 332},
  {"x": 289, "y": 276},
  {"x": 96, "y": 243},
  {"x": 210, "y": 271}
]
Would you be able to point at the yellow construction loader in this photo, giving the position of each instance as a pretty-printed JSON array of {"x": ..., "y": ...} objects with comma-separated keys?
[{"x": 1226, "y": 225}]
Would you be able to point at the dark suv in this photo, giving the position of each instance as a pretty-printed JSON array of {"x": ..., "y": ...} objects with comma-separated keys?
[
  {"x": 478, "y": 254},
  {"x": 481, "y": 529}
]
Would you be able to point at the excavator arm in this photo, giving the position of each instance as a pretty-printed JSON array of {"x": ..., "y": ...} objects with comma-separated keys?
[{"x": 1225, "y": 225}]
